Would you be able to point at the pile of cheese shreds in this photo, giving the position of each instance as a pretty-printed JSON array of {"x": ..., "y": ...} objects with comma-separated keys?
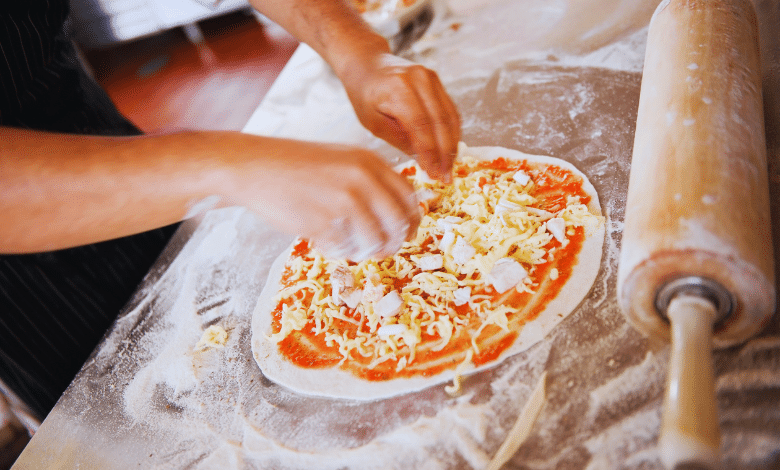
[{"x": 481, "y": 242}]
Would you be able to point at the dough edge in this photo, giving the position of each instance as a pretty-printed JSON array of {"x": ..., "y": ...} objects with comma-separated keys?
[{"x": 336, "y": 383}]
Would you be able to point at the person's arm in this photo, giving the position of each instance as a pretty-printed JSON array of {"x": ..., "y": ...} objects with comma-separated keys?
[
  {"x": 399, "y": 101},
  {"x": 59, "y": 191}
]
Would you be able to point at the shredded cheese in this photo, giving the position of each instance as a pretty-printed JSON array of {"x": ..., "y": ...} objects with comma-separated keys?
[
  {"x": 455, "y": 389},
  {"x": 472, "y": 231},
  {"x": 213, "y": 337}
]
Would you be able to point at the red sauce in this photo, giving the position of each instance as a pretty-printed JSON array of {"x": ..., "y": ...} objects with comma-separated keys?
[
  {"x": 301, "y": 249},
  {"x": 552, "y": 184},
  {"x": 492, "y": 351},
  {"x": 310, "y": 352}
]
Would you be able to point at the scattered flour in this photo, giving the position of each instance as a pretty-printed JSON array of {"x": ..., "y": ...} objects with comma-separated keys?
[
  {"x": 212, "y": 397},
  {"x": 214, "y": 409}
]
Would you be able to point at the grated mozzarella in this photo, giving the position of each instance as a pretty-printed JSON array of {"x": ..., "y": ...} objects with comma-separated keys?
[
  {"x": 506, "y": 274},
  {"x": 389, "y": 330},
  {"x": 430, "y": 262},
  {"x": 213, "y": 337},
  {"x": 485, "y": 230},
  {"x": 389, "y": 305},
  {"x": 557, "y": 227}
]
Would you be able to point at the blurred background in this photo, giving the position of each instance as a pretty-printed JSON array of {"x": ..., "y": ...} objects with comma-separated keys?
[{"x": 171, "y": 64}]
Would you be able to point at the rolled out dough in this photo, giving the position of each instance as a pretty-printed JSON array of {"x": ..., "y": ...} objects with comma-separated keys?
[{"x": 336, "y": 383}]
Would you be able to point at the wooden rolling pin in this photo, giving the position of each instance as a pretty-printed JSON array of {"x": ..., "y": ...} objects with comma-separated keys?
[{"x": 696, "y": 263}]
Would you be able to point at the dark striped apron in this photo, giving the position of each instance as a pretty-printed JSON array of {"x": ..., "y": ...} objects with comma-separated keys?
[{"x": 56, "y": 306}]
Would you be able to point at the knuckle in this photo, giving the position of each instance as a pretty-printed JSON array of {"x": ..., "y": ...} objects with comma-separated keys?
[
  {"x": 418, "y": 69},
  {"x": 359, "y": 173},
  {"x": 429, "y": 150},
  {"x": 400, "y": 82},
  {"x": 426, "y": 157},
  {"x": 440, "y": 118},
  {"x": 423, "y": 74},
  {"x": 353, "y": 176},
  {"x": 341, "y": 198}
]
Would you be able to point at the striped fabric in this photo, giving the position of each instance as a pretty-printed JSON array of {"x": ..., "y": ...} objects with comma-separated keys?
[
  {"x": 55, "y": 307},
  {"x": 27, "y": 46},
  {"x": 42, "y": 85}
]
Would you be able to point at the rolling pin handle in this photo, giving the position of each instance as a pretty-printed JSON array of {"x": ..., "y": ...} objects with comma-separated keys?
[{"x": 690, "y": 432}]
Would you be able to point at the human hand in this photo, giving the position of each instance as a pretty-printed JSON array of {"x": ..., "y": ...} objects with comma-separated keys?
[
  {"x": 405, "y": 104},
  {"x": 397, "y": 100},
  {"x": 347, "y": 200}
]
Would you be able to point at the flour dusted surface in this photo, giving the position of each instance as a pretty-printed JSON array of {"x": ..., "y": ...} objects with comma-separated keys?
[
  {"x": 485, "y": 222},
  {"x": 601, "y": 411}
]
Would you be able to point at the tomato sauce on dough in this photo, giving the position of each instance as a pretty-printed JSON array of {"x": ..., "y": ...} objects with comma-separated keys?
[{"x": 552, "y": 186}]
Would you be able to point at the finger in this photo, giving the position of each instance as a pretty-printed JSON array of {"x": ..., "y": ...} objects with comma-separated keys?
[
  {"x": 397, "y": 210},
  {"x": 378, "y": 213},
  {"x": 393, "y": 132},
  {"x": 356, "y": 234},
  {"x": 336, "y": 240},
  {"x": 432, "y": 121},
  {"x": 370, "y": 232},
  {"x": 446, "y": 122},
  {"x": 409, "y": 110},
  {"x": 453, "y": 124}
]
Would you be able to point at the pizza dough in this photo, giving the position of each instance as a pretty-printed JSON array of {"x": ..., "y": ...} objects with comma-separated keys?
[{"x": 337, "y": 383}]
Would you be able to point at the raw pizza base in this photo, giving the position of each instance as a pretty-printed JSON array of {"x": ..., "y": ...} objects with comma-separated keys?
[{"x": 336, "y": 383}]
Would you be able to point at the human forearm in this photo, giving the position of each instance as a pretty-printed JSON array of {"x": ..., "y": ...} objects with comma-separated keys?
[
  {"x": 64, "y": 190},
  {"x": 399, "y": 101},
  {"x": 58, "y": 191},
  {"x": 333, "y": 28}
]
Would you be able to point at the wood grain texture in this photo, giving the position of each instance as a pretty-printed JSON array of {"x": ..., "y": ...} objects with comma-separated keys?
[
  {"x": 168, "y": 82},
  {"x": 690, "y": 430},
  {"x": 698, "y": 200}
]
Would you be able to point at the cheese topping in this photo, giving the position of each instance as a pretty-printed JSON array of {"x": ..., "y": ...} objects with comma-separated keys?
[
  {"x": 213, "y": 337},
  {"x": 485, "y": 233}
]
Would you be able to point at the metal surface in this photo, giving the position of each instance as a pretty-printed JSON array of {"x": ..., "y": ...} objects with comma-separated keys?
[
  {"x": 698, "y": 286},
  {"x": 538, "y": 76}
]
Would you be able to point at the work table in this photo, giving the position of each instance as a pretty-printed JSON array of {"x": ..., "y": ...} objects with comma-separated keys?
[{"x": 541, "y": 78}]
